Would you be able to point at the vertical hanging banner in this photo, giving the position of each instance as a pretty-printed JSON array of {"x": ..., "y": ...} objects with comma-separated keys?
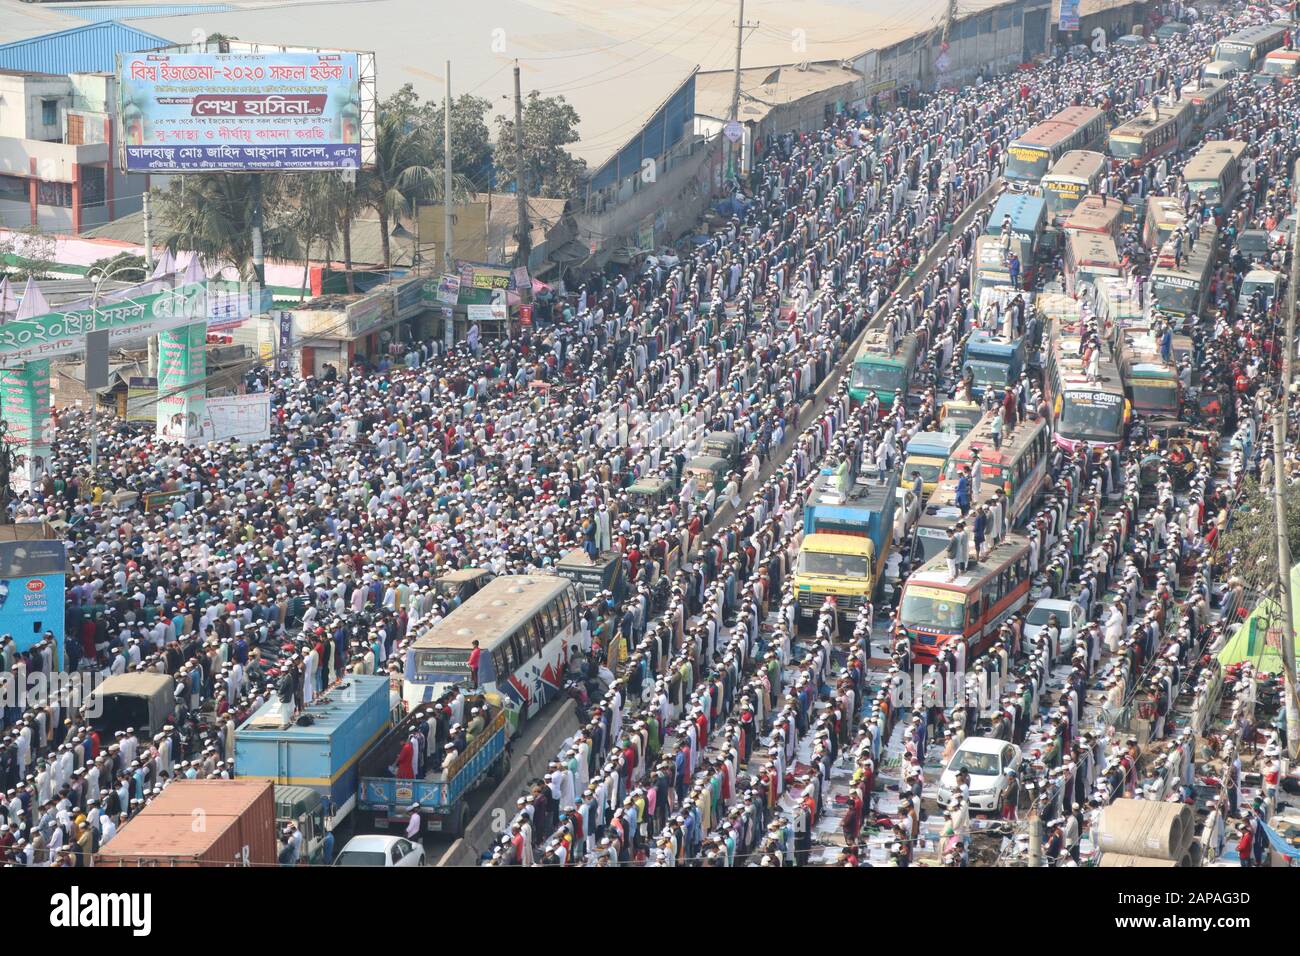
[
  {"x": 25, "y": 405},
  {"x": 284, "y": 341},
  {"x": 182, "y": 366}
]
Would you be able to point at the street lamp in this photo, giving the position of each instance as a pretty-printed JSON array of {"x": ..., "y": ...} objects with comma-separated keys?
[{"x": 94, "y": 399}]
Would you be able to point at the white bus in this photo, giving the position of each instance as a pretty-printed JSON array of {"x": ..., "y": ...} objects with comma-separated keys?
[{"x": 525, "y": 625}]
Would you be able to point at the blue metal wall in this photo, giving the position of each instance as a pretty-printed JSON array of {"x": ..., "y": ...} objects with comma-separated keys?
[
  {"x": 661, "y": 132},
  {"x": 89, "y": 49},
  {"x": 99, "y": 14}
]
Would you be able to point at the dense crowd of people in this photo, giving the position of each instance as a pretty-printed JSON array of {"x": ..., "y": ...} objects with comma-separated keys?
[{"x": 279, "y": 568}]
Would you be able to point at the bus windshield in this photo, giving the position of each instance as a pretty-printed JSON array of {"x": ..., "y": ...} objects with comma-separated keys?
[
  {"x": 1026, "y": 163},
  {"x": 1182, "y": 298},
  {"x": 877, "y": 376},
  {"x": 1125, "y": 148},
  {"x": 1207, "y": 189},
  {"x": 933, "y": 612},
  {"x": 1150, "y": 393},
  {"x": 1238, "y": 56},
  {"x": 1087, "y": 415},
  {"x": 989, "y": 373},
  {"x": 1279, "y": 67},
  {"x": 1061, "y": 198},
  {"x": 837, "y": 565}
]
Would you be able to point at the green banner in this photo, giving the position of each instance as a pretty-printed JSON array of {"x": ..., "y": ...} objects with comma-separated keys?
[
  {"x": 61, "y": 333},
  {"x": 182, "y": 367},
  {"x": 25, "y": 405}
]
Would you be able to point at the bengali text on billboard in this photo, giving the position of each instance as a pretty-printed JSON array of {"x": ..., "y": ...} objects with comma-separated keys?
[{"x": 189, "y": 112}]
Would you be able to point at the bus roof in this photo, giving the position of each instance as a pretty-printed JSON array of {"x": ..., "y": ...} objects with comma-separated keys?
[
  {"x": 496, "y": 611},
  {"x": 1014, "y": 440},
  {"x": 1077, "y": 165},
  {"x": 1093, "y": 248},
  {"x": 1144, "y": 123},
  {"x": 1026, "y": 212},
  {"x": 935, "y": 571},
  {"x": 1094, "y": 214},
  {"x": 1058, "y": 127},
  {"x": 1208, "y": 86},
  {"x": 1252, "y": 35},
  {"x": 1209, "y": 160},
  {"x": 875, "y": 347},
  {"x": 1284, "y": 55}
]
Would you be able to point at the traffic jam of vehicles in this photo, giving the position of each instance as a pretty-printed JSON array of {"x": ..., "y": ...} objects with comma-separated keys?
[{"x": 910, "y": 546}]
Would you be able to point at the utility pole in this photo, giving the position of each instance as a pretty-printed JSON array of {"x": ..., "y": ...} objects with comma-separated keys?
[
  {"x": 147, "y": 215},
  {"x": 259, "y": 258},
  {"x": 1280, "y": 416},
  {"x": 448, "y": 218},
  {"x": 733, "y": 115}
]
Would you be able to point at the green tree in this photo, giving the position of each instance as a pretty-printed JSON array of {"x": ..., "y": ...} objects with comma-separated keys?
[
  {"x": 471, "y": 147},
  {"x": 315, "y": 221},
  {"x": 124, "y": 267},
  {"x": 212, "y": 214},
  {"x": 27, "y": 254},
  {"x": 1253, "y": 531},
  {"x": 405, "y": 168},
  {"x": 550, "y": 124}
]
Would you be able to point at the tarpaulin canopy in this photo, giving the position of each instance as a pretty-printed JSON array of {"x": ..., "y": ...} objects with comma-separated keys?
[{"x": 1258, "y": 640}]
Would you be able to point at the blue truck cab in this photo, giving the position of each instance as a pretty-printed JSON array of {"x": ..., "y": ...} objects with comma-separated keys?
[
  {"x": 993, "y": 362},
  {"x": 322, "y": 746},
  {"x": 1028, "y": 227}
]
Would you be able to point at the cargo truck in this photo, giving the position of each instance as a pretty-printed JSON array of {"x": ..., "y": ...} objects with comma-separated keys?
[
  {"x": 321, "y": 746},
  {"x": 387, "y": 799},
  {"x": 848, "y": 528}
]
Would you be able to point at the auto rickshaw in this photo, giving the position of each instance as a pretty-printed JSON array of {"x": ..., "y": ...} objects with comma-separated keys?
[
  {"x": 650, "y": 492},
  {"x": 709, "y": 472}
]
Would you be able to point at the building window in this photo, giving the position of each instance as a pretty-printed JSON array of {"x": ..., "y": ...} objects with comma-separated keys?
[
  {"x": 92, "y": 186},
  {"x": 49, "y": 112},
  {"x": 14, "y": 189},
  {"x": 54, "y": 194}
]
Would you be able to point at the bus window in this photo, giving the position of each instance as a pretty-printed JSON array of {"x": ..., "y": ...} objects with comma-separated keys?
[
  {"x": 516, "y": 652},
  {"x": 501, "y": 661}
]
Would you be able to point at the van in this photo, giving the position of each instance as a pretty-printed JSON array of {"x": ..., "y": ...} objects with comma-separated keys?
[
  {"x": 1219, "y": 70},
  {"x": 1265, "y": 279}
]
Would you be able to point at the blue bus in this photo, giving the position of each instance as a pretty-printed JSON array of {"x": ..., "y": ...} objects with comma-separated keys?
[
  {"x": 1028, "y": 216},
  {"x": 993, "y": 362}
]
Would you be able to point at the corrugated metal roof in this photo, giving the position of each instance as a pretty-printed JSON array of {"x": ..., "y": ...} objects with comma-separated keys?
[
  {"x": 98, "y": 14},
  {"x": 92, "y": 48}
]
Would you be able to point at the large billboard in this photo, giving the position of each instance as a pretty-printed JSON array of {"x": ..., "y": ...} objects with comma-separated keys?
[
  {"x": 239, "y": 112},
  {"x": 31, "y": 590}
]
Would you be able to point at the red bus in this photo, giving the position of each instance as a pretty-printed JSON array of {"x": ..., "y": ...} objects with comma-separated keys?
[{"x": 971, "y": 608}]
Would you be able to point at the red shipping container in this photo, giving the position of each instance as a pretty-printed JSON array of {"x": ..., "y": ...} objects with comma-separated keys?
[{"x": 199, "y": 823}]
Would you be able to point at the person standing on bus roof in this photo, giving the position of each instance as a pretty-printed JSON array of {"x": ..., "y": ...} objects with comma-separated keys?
[
  {"x": 474, "y": 655},
  {"x": 963, "y": 490}
]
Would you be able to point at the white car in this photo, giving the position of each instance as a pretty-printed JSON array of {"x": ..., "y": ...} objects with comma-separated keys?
[
  {"x": 989, "y": 761},
  {"x": 379, "y": 850},
  {"x": 1068, "y": 614}
]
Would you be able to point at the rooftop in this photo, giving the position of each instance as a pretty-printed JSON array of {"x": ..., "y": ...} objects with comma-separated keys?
[
  {"x": 614, "y": 64},
  {"x": 765, "y": 88}
]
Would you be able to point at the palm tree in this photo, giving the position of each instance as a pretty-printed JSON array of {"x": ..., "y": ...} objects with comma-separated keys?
[
  {"x": 405, "y": 170},
  {"x": 212, "y": 214}
]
